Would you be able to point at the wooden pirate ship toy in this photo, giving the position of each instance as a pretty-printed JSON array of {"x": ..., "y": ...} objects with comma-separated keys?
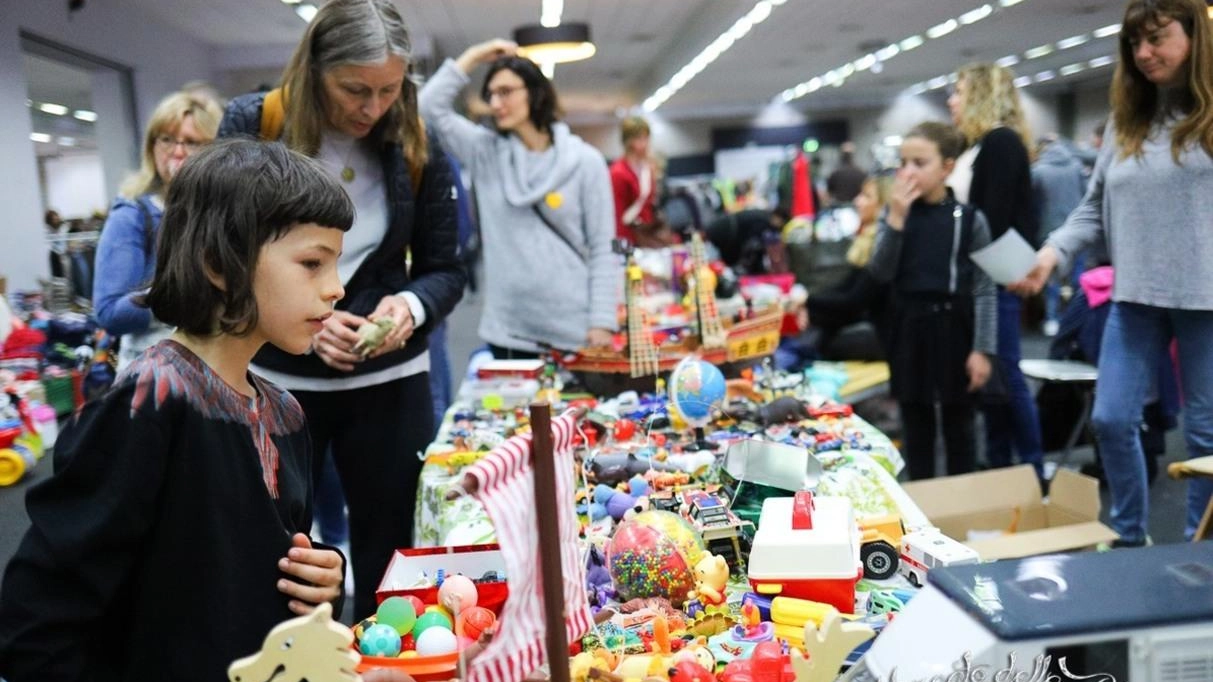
[{"x": 749, "y": 336}]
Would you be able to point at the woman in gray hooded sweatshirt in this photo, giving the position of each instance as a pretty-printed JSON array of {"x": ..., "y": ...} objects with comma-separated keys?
[{"x": 544, "y": 199}]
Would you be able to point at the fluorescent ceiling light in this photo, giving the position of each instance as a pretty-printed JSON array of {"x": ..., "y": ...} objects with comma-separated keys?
[
  {"x": 53, "y": 109},
  {"x": 937, "y": 82},
  {"x": 941, "y": 30},
  {"x": 757, "y": 14},
  {"x": 1099, "y": 62},
  {"x": 291, "y": 2},
  {"x": 911, "y": 43},
  {"x": 1038, "y": 52},
  {"x": 40, "y": 137},
  {"x": 1071, "y": 69},
  {"x": 1008, "y": 61},
  {"x": 1072, "y": 41},
  {"x": 1009, "y": 3},
  {"x": 85, "y": 115},
  {"x": 306, "y": 11},
  {"x": 887, "y": 52},
  {"x": 1104, "y": 32},
  {"x": 67, "y": 141},
  {"x": 892, "y": 141},
  {"x": 918, "y": 88},
  {"x": 1046, "y": 75},
  {"x": 865, "y": 62},
  {"x": 1023, "y": 81},
  {"x": 975, "y": 15},
  {"x": 551, "y": 12}
]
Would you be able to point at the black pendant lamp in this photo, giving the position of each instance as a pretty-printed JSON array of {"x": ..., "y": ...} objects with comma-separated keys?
[{"x": 554, "y": 44}]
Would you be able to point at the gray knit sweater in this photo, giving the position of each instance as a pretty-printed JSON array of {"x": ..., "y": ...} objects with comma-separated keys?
[
  {"x": 1157, "y": 220},
  {"x": 536, "y": 288}
]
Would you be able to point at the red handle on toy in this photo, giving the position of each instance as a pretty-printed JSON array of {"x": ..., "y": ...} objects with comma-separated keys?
[{"x": 802, "y": 511}]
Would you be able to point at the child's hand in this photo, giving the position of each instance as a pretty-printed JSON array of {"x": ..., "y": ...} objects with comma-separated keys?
[
  {"x": 905, "y": 192},
  {"x": 319, "y": 569},
  {"x": 978, "y": 368},
  {"x": 335, "y": 343}
]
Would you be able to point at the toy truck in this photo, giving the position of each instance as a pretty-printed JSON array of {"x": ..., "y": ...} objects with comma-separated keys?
[
  {"x": 881, "y": 538},
  {"x": 807, "y": 547},
  {"x": 928, "y": 548},
  {"x": 723, "y": 532}
]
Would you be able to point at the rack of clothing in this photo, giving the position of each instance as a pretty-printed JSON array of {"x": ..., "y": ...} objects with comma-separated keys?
[{"x": 72, "y": 256}]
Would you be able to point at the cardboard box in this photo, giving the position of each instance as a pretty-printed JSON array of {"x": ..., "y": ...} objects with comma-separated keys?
[{"x": 975, "y": 508}]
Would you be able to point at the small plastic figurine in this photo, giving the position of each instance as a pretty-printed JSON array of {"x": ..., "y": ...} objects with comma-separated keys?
[
  {"x": 372, "y": 334},
  {"x": 711, "y": 576}
]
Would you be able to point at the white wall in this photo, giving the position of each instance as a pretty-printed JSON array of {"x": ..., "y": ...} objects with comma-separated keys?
[
  {"x": 75, "y": 184},
  {"x": 1092, "y": 108},
  {"x": 162, "y": 58}
]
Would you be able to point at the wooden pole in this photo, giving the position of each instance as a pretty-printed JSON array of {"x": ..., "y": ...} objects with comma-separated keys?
[{"x": 543, "y": 463}]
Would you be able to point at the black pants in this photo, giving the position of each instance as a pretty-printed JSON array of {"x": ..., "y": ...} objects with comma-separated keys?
[
  {"x": 374, "y": 435},
  {"x": 960, "y": 442},
  {"x": 502, "y": 353}
]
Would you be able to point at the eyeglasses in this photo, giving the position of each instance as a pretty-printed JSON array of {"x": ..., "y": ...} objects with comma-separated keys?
[
  {"x": 502, "y": 92},
  {"x": 169, "y": 143}
]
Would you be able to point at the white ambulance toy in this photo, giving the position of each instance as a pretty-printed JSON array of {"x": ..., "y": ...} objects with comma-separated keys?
[{"x": 928, "y": 548}]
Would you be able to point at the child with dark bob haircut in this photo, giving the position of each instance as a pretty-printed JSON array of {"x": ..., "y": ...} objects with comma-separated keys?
[{"x": 173, "y": 534}]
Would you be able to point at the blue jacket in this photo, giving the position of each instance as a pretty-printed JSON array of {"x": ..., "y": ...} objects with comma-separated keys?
[
  {"x": 126, "y": 259},
  {"x": 1058, "y": 184},
  {"x": 423, "y": 226}
]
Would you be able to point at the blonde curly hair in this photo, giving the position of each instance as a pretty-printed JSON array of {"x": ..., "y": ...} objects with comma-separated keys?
[{"x": 991, "y": 100}]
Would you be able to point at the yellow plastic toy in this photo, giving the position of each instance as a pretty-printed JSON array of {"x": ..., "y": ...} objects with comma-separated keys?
[{"x": 711, "y": 576}]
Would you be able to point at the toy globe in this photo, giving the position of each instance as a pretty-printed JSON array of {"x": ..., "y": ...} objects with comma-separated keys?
[
  {"x": 653, "y": 554},
  {"x": 695, "y": 387}
]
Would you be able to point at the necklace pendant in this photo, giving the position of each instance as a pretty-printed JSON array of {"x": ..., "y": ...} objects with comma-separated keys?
[{"x": 347, "y": 174}]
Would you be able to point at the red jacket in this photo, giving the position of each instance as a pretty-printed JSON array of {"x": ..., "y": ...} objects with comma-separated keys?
[{"x": 625, "y": 185}]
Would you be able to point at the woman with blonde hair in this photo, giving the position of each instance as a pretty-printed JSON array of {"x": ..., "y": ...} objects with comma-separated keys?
[
  {"x": 126, "y": 254},
  {"x": 995, "y": 175},
  {"x": 347, "y": 100},
  {"x": 1150, "y": 200}
]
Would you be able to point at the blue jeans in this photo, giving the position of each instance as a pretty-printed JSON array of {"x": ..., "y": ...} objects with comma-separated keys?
[
  {"x": 329, "y": 504},
  {"x": 1015, "y": 423},
  {"x": 440, "y": 373},
  {"x": 1135, "y": 336}
]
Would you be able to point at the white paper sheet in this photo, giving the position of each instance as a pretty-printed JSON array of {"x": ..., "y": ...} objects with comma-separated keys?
[{"x": 1007, "y": 259}]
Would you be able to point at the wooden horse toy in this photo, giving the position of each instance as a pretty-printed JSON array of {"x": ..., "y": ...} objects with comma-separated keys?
[
  {"x": 828, "y": 647},
  {"x": 310, "y": 647}
]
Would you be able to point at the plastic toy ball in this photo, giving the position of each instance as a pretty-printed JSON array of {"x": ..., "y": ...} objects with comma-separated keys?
[
  {"x": 418, "y": 605},
  {"x": 407, "y": 643},
  {"x": 428, "y": 620},
  {"x": 474, "y": 621},
  {"x": 625, "y": 429},
  {"x": 653, "y": 554},
  {"x": 436, "y": 641},
  {"x": 397, "y": 612},
  {"x": 362, "y": 626},
  {"x": 457, "y": 593},
  {"x": 380, "y": 640},
  {"x": 410, "y": 653}
]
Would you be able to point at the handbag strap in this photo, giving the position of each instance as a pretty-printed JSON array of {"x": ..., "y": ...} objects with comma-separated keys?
[{"x": 555, "y": 230}]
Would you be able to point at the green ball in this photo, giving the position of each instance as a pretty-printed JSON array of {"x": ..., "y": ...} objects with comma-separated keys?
[
  {"x": 397, "y": 612},
  {"x": 430, "y": 619}
]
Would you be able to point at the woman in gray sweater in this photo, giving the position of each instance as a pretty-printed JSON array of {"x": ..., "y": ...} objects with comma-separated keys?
[
  {"x": 1151, "y": 200},
  {"x": 547, "y": 215}
]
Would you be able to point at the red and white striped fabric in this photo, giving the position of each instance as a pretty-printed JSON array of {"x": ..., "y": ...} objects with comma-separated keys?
[{"x": 507, "y": 490}]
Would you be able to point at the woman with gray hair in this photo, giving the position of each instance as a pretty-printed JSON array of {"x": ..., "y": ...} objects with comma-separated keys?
[{"x": 346, "y": 100}]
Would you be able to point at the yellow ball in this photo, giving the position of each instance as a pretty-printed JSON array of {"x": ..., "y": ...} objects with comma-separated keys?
[{"x": 408, "y": 653}]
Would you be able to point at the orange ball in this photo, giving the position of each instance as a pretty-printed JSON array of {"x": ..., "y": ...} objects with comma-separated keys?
[{"x": 472, "y": 622}]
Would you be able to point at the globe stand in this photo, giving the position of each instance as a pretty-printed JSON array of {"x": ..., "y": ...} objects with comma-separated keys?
[{"x": 702, "y": 443}]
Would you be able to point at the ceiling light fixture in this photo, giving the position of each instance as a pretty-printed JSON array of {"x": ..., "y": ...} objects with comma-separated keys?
[
  {"x": 40, "y": 137},
  {"x": 1071, "y": 69},
  {"x": 67, "y": 141},
  {"x": 975, "y": 15},
  {"x": 1038, "y": 52},
  {"x": 306, "y": 11},
  {"x": 551, "y": 12},
  {"x": 291, "y": 2},
  {"x": 941, "y": 30},
  {"x": 1046, "y": 75},
  {"x": 756, "y": 15},
  {"x": 905, "y": 45},
  {"x": 1008, "y": 61},
  {"x": 555, "y": 44},
  {"x": 1098, "y": 62},
  {"x": 1104, "y": 32},
  {"x": 1023, "y": 81},
  {"x": 53, "y": 109},
  {"x": 1073, "y": 41},
  {"x": 85, "y": 115}
]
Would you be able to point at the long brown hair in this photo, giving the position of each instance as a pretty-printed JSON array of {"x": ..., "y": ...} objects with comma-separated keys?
[
  {"x": 358, "y": 32},
  {"x": 1135, "y": 100},
  {"x": 991, "y": 100}
]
